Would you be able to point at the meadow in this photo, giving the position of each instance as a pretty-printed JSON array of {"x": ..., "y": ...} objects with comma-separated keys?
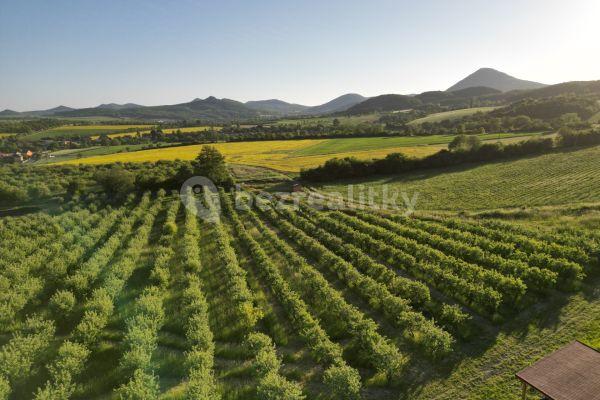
[
  {"x": 293, "y": 155},
  {"x": 451, "y": 115},
  {"x": 146, "y": 300},
  {"x": 566, "y": 177},
  {"x": 166, "y": 131},
  {"x": 343, "y": 119},
  {"x": 82, "y": 130}
]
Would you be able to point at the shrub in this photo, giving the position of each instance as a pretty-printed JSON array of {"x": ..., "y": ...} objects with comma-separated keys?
[
  {"x": 276, "y": 387},
  {"x": 343, "y": 382},
  {"x": 142, "y": 386},
  {"x": 62, "y": 303}
]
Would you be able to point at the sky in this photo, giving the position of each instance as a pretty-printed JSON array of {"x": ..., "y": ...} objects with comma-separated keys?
[{"x": 84, "y": 53}]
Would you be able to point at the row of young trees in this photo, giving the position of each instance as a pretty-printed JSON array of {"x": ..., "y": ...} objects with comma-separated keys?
[
  {"x": 421, "y": 331},
  {"x": 20, "y": 356},
  {"x": 524, "y": 248},
  {"x": 22, "y": 278},
  {"x": 372, "y": 346},
  {"x": 458, "y": 230},
  {"x": 342, "y": 380},
  {"x": 74, "y": 352},
  {"x": 199, "y": 357},
  {"x": 451, "y": 317},
  {"x": 141, "y": 337},
  {"x": 512, "y": 289},
  {"x": 534, "y": 277},
  {"x": 81, "y": 280},
  {"x": 266, "y": 365}
]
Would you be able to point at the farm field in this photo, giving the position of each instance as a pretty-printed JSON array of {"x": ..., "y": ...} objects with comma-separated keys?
[
  {"x": 3, "y": 135},
  {"x": 450, "y": 115},
  {"x": 166, "y": 131},
  {"x": 293, "y": 155},
  {"x": 567, "y": 177},
  {"x": 145, "y": 297},
  {"x": 81, "y": 130},
  {"x": 75, "y": 154},
  {"x": 343, "y": 119}
]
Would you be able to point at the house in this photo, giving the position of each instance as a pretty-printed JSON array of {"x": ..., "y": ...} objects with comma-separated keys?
[
  {"x": 570, "y": 373},
  {"x": 297, "y": 187}
]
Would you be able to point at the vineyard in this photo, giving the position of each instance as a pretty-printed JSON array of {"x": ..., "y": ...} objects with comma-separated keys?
[{"x": 145, "y": 300}]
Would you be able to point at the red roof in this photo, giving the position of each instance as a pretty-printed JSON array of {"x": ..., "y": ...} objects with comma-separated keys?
[{"x": 571, "y": 373}]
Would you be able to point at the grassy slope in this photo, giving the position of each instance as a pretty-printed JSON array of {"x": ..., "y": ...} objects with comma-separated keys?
[
  {"x": 558, "y": 178},
  {"x": 292, "y": 155},
  {"x": 344, "y": 120},
  {"x": 86, "y": 130},
  {"x": 450, "y": 115}
]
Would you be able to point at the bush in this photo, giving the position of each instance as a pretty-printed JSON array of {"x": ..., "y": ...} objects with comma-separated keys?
[
  {"x": 343, "y": 382},
  {"x": 276, "y": 387},
  {"x": 4, "y": 388},
  {"x": 62, "y": 303},
  {"x": 142, "y": 386}
]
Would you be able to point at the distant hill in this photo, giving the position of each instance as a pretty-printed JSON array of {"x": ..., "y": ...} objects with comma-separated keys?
[
  {"x": 37, "y": 113},
  {"x": 115, "y": 106},
  {"x": 276, "y": 107},
  {"x": 386, "y": 102},
  {"x": 210, "y": 109},
  {"x": 338, "y": 104},
  {"x": 9, "y": 113},
  {"x": 491, "y": 78}
]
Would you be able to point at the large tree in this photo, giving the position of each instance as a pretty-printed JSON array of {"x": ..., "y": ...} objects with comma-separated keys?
[{"x": 211, "y": 164}]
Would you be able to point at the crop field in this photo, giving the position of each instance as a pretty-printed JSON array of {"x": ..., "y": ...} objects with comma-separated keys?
[
  {"x": 344, "y": 120},
  {"x": 146, "y": 300},
  {"x": 75, "y": 154},
  {"x": 3, "y": 135},
  {"x": 567, "y": 177},
  {"x": 293, "y": 155},
  {"x": 166, "y": 131},
  {"x": 82, "y": 130},
  {"x": 450, "y": 115}
]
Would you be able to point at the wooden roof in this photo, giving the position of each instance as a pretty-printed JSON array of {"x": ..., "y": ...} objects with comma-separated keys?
[{"x": 571, "y": 373}]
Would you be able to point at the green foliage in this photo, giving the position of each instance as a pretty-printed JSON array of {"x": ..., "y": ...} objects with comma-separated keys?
[
  {"x": 275, "y": 387},
  {"x": 142, "y": 386},
  {"x": 342, "y": 382},
  {"x": 62, "y": 303},
  {"x": 115, "y": 181},
  {"x": 210, "y": 163},
  {"x": 4, "y": 388},
  {"x": 465, "y": 143}
]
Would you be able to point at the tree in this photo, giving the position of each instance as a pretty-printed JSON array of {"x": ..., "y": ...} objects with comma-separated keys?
[
  {"x": 116, "y": 180},
  {"x": 211, "y": 164},
  {"x": 465, "y": 143}
]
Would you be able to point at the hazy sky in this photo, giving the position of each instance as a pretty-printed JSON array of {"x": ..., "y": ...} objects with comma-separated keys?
[{"x": 83, "y": 53}]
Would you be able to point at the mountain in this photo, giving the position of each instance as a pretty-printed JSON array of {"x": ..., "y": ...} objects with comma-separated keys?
[
  {"x": 276, "y": 107},
  {"x": 36, "y": 113},
  {"x": 210, "y": 109},
  {"x": 338, "y": 104},
  {"x": 491, "y": 78},
  {"x": 9, "y": 113},
  {"x": 386, "y": 102},
  {"x": 115, "y": 106}
]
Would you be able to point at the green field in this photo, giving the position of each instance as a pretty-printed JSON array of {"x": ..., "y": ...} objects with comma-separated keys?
[
  {"x": 450, "y": 115},
  {"x": 561, "y": 178},
  {"x": 82, "y": 130},
  {"x": 333, "y": 146},
  {"x": 344, "y": 120},
  {"x": 76, "y": 154}
]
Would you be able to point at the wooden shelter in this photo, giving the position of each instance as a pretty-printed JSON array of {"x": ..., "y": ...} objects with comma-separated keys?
[{"x": 571, "y": 373}]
